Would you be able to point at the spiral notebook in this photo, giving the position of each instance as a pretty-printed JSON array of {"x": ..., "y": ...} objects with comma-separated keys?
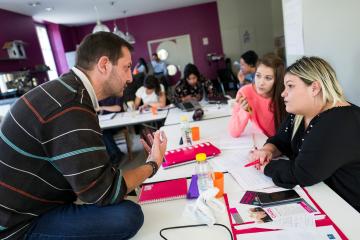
[
  {"x": 186, "y": 155},
  {"x": 163, "y": 191}
]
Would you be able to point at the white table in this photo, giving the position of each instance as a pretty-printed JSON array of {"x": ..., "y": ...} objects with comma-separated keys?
[
  {"x": 172, "y": 213},
  {"x": 210, "y": 111},
  {"x": 124, "y": 119},
  {"x": 166, "y": 214},
  {"x": 214, "y": 131}
]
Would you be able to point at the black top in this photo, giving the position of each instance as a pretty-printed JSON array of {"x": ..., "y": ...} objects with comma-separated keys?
[
  {"x": 328, "y": 150},
  {"x": 182, "y": 89}
]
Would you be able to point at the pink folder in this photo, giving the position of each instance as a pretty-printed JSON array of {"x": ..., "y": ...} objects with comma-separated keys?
[
  {"x": 185, "y": 155},
  {"x": 163, "y": 191}
]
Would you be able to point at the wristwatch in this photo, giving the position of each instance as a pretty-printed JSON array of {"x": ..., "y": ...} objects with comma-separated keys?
[{"x": 154, "y": 166}]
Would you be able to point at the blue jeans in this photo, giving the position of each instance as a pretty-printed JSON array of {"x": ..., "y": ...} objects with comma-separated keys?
[{"x": 119, "y": 221}]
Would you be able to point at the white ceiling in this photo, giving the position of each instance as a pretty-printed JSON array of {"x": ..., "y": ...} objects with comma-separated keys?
[{"x": 80, "y": 12}]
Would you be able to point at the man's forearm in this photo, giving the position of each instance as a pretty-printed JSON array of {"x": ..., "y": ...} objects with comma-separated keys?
[{"x": 134, "y": 177}]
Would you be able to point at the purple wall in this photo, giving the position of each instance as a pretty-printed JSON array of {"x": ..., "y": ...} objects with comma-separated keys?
[
  {"x": 19, "y": 27},
  {"x": 69, "y": 38},
  {"x": 57, "y": 47},
  {"x": 198, "y": 21}
]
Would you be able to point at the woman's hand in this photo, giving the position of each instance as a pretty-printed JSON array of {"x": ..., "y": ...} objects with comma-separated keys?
[
  {"x": 263, "y": 155},
  {"x": 242, "y": 101},
  {"x": 241, "y": 77},
  {"x": 143, "y": 108}
]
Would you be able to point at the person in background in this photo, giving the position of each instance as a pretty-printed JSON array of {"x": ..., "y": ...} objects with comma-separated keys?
[
  {"x": 52, "y": 154},
  {"x": 320, "y": 136},
  {"x": 261, "y": 102},
  {"x": 159, "y": 66},
  {"x": 248, "y": 62},
  {"x": 108, "y": 106},
  {"x": 192, "y": 86},
  {"x": 151, "y": 93},
  {"x": 141, "y": 67}
]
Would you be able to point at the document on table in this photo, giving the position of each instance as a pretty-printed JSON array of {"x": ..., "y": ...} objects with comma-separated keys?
[
  {"x": 228, "y": 143},
  {"x": 106, "y": 117},
  {"x": 248, "y": 177},
  {"x": 325, "y": 233}
]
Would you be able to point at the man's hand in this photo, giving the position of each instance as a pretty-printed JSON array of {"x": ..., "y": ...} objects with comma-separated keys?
[{"x": 155, "y": 146}]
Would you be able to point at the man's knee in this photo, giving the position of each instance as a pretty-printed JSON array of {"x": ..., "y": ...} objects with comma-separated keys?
[{"x": 134, "y": 217}]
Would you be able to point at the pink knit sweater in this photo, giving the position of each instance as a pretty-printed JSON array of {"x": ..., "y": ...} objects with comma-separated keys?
[{"x": 261, "y": 114}]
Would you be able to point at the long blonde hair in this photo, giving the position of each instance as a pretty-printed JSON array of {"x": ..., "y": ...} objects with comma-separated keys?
[{"x": 311, "y": 69}]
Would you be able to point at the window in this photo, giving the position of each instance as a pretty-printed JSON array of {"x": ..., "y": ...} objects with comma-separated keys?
[{"x": 46, "y": 51}]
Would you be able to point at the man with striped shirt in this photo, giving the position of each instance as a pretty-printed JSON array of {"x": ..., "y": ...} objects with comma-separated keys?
[{"x": 51, "y": 153}]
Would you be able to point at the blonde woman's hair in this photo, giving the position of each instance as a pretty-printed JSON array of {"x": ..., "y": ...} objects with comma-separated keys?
[{"x": 311, "y": 69}]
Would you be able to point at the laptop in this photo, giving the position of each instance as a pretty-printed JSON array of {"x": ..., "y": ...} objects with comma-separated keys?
[
  {"x": 217, "y": 99},
  {"x": 188, "y": 106}
]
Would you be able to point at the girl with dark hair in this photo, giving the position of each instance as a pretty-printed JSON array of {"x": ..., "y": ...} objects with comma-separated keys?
[
  {"x": 261, "y": 102},
  {"x": 141, "y": 67},
  {"x": 192, "y": 86},
  {"x": 152, "y": 93}
]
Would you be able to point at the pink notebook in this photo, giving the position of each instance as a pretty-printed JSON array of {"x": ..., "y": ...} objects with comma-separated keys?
[
  {"x": 163, "y": 191},
  {"x": 185, "y": 155}
]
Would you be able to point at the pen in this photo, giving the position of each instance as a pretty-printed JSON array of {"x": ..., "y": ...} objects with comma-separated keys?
[
  {"x": 113, "y": 116},
  {"x": 252, "y": 163}
]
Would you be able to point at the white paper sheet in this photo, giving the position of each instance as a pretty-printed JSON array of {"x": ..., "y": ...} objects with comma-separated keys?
[
  {"x": 248, "y": 177},
  {"x": 106, "y": 117}
]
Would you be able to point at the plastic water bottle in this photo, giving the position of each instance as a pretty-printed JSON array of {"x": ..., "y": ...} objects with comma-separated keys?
[
  {"x": 204, "y": 172},
  {"x": 185, "y": 130}
]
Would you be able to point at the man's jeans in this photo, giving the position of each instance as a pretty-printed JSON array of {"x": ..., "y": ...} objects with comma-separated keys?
[{"x": 119, "y": 221}]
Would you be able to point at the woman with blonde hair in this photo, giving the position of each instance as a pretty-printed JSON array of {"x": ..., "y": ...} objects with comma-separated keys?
[{"x": 320, "y": 136}]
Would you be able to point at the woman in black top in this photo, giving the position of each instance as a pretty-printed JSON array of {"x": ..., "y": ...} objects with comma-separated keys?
[
  {"x": 321, "y": 136},
  {"x": 192, "y": 86}
]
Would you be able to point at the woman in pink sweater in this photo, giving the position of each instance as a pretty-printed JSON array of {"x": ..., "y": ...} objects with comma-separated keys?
[{"x": 261, "y": 102}]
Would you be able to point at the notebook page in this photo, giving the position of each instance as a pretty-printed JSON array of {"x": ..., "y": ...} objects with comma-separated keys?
[
  {"x": 106, "y": 117},
  {"x": 248, "y": 177}
]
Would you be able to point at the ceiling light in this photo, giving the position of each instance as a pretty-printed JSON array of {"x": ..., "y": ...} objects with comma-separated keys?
[
  {"x": 49, "y": 9},
  {"x": 117, "y": 31},
  {"x": 99, "y": 26},
  {"x": 34, "y": 4},
  {"x": 128, "y": 37}
]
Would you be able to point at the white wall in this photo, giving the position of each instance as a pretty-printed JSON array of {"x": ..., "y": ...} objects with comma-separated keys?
[
  {"x": 331, "y": 31},
  {"x": 277, "y": 18},
  {"x": 256, "y": 16}
]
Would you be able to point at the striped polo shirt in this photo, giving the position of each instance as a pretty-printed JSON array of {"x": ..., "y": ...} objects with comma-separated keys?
[{"x": 51, "y": 152}]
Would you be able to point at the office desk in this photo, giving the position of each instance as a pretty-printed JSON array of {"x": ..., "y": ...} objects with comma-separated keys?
[
  {"x": 214, "y": 131},
  {"x": 124, "y": 119},
  {"x": 166, "y": 214},
  {"x": 210, "y": 111},
  {"x": 172, "y": 213}
]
